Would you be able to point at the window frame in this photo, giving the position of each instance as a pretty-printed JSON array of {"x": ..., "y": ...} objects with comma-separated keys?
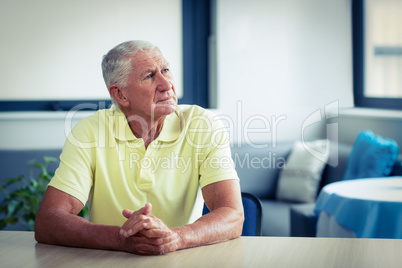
[
  {"x": 358, "y": 40},
  {"x": 196, "y": 31}
]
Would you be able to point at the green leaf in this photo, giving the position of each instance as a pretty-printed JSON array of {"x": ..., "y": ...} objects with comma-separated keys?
[
  {"x": 23, "y": 193},
  {"x": 49, "y": 159},
  {"x": 11, "y": 220},
  {"x": 29, "y": 216},
  {"x": 11, "y": 207},
  {"x": 23, "y": 201},
  {"x": 10, "y": 181},
  {"x": 34, "y": 183},
  {"x": 32, "y": 162},
  {"x": 39, "y": 165},
  {"x": 31, "y": 224},
  {"x": 4, "y": 190},
  {"x": 44, "y": 177},
  {"x": 84, "y": 212},
  {"x": 43, "y": 168},
  {"x": 32, "y": 189}
]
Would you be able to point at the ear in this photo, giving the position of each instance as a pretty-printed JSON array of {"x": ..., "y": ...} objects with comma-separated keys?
[{"x": 118, "y": 95}]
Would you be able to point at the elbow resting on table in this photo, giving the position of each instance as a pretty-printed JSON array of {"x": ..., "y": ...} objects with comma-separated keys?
[
  {"x": 47, "y": 225},
  {"x": 38, "y": 230},
  {"x": 42, "y": 233}
]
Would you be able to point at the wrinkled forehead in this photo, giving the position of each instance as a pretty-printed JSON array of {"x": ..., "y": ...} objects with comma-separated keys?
[{"x": 149, "y": 59}]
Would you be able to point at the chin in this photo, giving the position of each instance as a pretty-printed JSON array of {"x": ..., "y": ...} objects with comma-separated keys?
[{"x": 165, "y": 110}]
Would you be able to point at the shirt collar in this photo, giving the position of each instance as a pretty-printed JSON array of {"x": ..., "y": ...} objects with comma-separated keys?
[
  {"x": 172, "y": 126},
  {"x": 121, "y": 129}
]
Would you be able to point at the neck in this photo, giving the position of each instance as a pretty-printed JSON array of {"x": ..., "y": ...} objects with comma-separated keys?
[{"x": 146, "y": 129}]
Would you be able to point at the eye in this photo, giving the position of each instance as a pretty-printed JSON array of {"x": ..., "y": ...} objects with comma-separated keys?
[
  {"x": 166, "y": 71},
  {"x": 149, "y": 76}
]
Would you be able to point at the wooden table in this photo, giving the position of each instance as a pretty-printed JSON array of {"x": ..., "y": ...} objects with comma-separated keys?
[{"x": 19, "y": 249}]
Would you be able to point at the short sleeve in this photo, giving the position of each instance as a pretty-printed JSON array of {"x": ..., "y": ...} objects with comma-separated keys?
[
  {"x": 74, "y": 175},
  {"x": 218, "y": 164}
]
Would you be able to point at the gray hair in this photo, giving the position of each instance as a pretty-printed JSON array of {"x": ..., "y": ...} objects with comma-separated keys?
[{"x": 116, "y": 64}]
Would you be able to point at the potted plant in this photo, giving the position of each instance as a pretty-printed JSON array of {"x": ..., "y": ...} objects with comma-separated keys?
[{"x": 24, "y": 195}]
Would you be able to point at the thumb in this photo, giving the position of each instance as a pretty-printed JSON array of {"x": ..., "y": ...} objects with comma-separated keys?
[{"x": 147, "y": 208}]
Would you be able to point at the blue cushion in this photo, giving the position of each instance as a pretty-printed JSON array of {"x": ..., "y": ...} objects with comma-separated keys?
[{"x": 371, "y": 156}]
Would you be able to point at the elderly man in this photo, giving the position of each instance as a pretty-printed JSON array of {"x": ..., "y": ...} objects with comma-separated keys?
[{"x": 140, "y": 166}]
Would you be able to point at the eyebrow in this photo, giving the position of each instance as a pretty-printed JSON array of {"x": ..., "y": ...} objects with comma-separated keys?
[
  {"x": 153, "y": 70},
  {"x": 165, "y": 65},
  {"x": 148, "y": 71}
]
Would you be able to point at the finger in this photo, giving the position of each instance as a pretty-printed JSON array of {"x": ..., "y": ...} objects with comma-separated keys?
[
  {"x": 147, "y": 208},
  {"x": 132, "y": 228},
  {"x": 127, "y": 213},
  {"x": 144, "y": 210},
  {"x": 147, "y": 249},
  {"x": 137, "y": 223},
  {"x": 152, "y": 241},
  {"x": 155, "y": 233},
  {"x": 154, "y": 246}
]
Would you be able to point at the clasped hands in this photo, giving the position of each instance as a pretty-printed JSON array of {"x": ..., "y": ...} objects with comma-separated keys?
[{"x": 146, "y": 234}]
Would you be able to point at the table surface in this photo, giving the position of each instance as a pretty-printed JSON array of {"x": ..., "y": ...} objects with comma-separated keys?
[
  {"x": 371, "y": 208},
  {"x": 379, "y": 189},
  {"x": 19, "y": 249}
]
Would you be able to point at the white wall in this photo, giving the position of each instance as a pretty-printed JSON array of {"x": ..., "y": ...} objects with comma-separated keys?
[
  {"x": 52, "y": 50},
  {"x": 284, "y": 58},
  {"x": 36, "y": 130},
  {"x": 279, "y": 61},
  {"x": 386, "y": 123}
]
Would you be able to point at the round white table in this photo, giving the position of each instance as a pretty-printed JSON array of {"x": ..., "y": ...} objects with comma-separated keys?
[{"x": 362, "y": 208}]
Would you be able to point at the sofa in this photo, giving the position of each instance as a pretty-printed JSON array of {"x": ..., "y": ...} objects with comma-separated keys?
[
  {"x": 263, "y": 182},
  {"x": 284, "y": 218},
  {"x": 258, "y": 169}
]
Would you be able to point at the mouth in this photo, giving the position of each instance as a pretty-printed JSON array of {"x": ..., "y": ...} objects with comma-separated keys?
[{"x": 164, "y": 100}]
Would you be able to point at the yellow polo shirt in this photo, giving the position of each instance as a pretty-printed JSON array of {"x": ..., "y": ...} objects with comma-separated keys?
[{"x": 105, "y": 165}]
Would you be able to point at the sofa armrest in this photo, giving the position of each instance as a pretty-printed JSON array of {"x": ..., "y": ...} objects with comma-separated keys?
[{"x": 303, "y": 220}]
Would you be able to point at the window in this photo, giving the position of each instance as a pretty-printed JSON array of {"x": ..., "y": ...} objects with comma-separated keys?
[
  {"x": 59, "y": 35},
  {"x": 377, "y": 50}
]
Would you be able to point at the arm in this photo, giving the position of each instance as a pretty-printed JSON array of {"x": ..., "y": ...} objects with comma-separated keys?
[
  {"x": 57, "y": 223},
  {"x": 224, "y": 222}
]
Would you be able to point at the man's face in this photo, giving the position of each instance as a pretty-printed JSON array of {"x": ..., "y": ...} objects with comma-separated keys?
[{"x": 150, "y": 89}]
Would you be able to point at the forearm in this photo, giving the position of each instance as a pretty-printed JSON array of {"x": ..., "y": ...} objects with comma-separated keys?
[
  {"x": 62, "y": 228},
  {"x": 217, "y": 226}
]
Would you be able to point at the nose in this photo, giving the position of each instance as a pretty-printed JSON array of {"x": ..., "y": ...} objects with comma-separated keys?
[{"x": 164, "y": 83}]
